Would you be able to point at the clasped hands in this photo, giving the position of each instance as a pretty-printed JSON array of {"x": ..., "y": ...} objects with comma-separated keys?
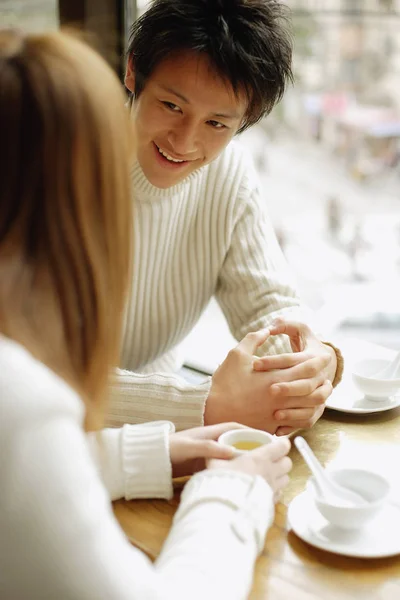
[
  {"x": 276, "y": 393},
  {"x": 279, "y": 393}
]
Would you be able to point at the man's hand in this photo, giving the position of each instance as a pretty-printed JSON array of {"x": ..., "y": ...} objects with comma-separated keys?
[
  {"x": 313, "y": 365},
  {"x": 276, "y": 393},
  {"x": 189, "y": 449},
  {"x": 240, "y": 392}
]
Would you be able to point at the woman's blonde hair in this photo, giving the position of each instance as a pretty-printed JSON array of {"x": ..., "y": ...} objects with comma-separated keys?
[{"x": 65, "y": 208}]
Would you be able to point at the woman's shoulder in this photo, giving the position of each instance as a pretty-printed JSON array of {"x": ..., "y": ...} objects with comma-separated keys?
[{"x": 29, "y": 389}]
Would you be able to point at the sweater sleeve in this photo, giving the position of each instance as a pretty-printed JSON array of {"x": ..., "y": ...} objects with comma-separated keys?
[
  {"x": 255, "y": 285},
  {"x": 221, "y": 524},
  {"x": 134, "y": 460},
  {"x": 136, "y": 398},
  {"x": 63, "y": 540}
]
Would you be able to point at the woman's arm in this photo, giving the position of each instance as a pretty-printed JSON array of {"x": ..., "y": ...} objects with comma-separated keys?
[
  {"x": 64, "y": 542},
  {"x": 134, "y": 460}
]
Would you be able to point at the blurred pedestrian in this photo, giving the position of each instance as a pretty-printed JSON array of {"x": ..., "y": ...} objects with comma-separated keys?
[
  {"x": 334, "y": 217},
  {"x": 281, "y": 235},
  {"x": 261, "y": 162},
  {"x": 355, "y": 248}
]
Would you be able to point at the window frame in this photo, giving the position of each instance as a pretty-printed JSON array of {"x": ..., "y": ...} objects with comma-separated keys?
[{"x": 108, "y": 20}]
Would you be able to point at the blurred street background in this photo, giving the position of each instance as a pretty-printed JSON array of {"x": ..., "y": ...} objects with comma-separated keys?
[{"x": 328, "y": 158}]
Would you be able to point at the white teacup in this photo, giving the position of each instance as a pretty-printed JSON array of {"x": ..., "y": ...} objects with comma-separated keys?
[{"x": 243, "y": 440}]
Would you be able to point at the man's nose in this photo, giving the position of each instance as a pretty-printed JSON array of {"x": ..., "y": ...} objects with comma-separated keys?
[{"x": 183, "y": 138}]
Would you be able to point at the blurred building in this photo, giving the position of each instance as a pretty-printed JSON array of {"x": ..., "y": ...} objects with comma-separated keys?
[
  {"x": 352, "y": 44},
  {"x": 347, "y": 61}
]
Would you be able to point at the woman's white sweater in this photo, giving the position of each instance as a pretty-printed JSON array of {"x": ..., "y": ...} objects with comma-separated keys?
[{"x": 59, "y": 538}]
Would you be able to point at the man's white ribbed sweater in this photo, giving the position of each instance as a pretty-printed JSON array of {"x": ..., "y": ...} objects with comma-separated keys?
[{"x": 208, "y": 235}]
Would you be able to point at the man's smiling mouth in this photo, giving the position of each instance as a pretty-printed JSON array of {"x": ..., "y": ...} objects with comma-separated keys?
[{"x": 168, "y": 157}]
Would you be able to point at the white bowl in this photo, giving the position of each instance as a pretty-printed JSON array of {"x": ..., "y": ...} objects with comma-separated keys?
[
  {"x": 235, "y": 436},
  {"x": 372, "y": 486},
  {"x": 373, "y": 388}
]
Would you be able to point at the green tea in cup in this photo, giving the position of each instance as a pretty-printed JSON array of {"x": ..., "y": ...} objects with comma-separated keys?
[
  {"x": 246, "y": 439},
  {"x": 246, "y": 445}
]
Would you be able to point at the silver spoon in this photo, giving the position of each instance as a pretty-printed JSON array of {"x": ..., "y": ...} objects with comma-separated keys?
[{"x": 332, "y": 491}]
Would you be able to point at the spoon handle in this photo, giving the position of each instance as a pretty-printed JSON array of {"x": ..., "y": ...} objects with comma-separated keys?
[
  {"x": 310, "y": 458},
  {"x": 322, "y": 480},
  {"x": 392, "y": 371},
  {"x": 324, "y": 485}
]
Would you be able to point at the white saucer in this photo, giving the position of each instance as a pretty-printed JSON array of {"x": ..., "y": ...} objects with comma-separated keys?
[
  {"x": 348, "y": 399},
  {"x": 380, "y": 538}
]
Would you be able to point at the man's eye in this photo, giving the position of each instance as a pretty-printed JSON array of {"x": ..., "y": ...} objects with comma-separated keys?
[
  {"x": 171, "y": 106},
  {"x": 216, "y": 124}
]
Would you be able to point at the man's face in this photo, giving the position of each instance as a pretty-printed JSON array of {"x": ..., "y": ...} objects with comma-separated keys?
[{"x": 184, "y": 117}]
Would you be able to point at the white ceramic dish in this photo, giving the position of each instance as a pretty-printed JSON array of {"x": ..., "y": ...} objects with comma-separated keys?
[
  {"x": 375, "y": 389},
  {"x": 371, "y": 486},
  {"x": 234, "y": 436},
  {"x": 347, "y": 398},
  {"x": 380, "y": 538}
]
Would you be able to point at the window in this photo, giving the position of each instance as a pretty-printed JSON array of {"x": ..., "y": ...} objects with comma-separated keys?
[
  {"x": 32, "y": 15},
  {"x": 386, "y": 4},
  {"x": 108, "y": 20}
]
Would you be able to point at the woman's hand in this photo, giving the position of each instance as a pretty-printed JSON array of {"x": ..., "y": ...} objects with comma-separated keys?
[
  {"x": 189, "y": 449},
  {"x": 270, "y": 462}
]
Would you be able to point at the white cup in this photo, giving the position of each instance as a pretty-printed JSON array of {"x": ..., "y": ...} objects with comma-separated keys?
[{"x": 240, "y": 438}]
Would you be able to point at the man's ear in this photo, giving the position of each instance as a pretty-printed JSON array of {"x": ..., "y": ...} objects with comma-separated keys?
[{"x": 130, "y": 76}]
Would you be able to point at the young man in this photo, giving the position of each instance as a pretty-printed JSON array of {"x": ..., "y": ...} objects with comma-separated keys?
[{"x": 199, "y": 72}]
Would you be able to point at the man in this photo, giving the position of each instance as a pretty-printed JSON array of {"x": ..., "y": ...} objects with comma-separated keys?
[{"x": 199, "y": 72}]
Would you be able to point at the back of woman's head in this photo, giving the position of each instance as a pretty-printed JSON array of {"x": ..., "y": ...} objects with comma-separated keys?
[{"x": 65, "y": 209}]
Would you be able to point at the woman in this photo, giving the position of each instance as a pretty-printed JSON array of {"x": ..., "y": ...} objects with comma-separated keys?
[{"x": 65, "y": 247}]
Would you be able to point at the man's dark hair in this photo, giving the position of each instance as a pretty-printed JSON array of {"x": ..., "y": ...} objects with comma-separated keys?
[{"x": 247, "y": 42}]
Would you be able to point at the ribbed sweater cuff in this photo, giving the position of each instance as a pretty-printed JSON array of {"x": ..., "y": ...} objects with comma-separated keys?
[
  {"x": 249, "y": 497},
  {"x": 339, "y": 364},
  {"x": 146, "y": 464},
  {"x": 137, "y": 398}
]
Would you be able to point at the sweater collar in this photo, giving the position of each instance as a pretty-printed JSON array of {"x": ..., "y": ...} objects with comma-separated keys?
[{"x": 146, "y": 190}]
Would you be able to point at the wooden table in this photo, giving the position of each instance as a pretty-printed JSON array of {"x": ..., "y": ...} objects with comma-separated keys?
[{"x": 288, "y": 568}]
